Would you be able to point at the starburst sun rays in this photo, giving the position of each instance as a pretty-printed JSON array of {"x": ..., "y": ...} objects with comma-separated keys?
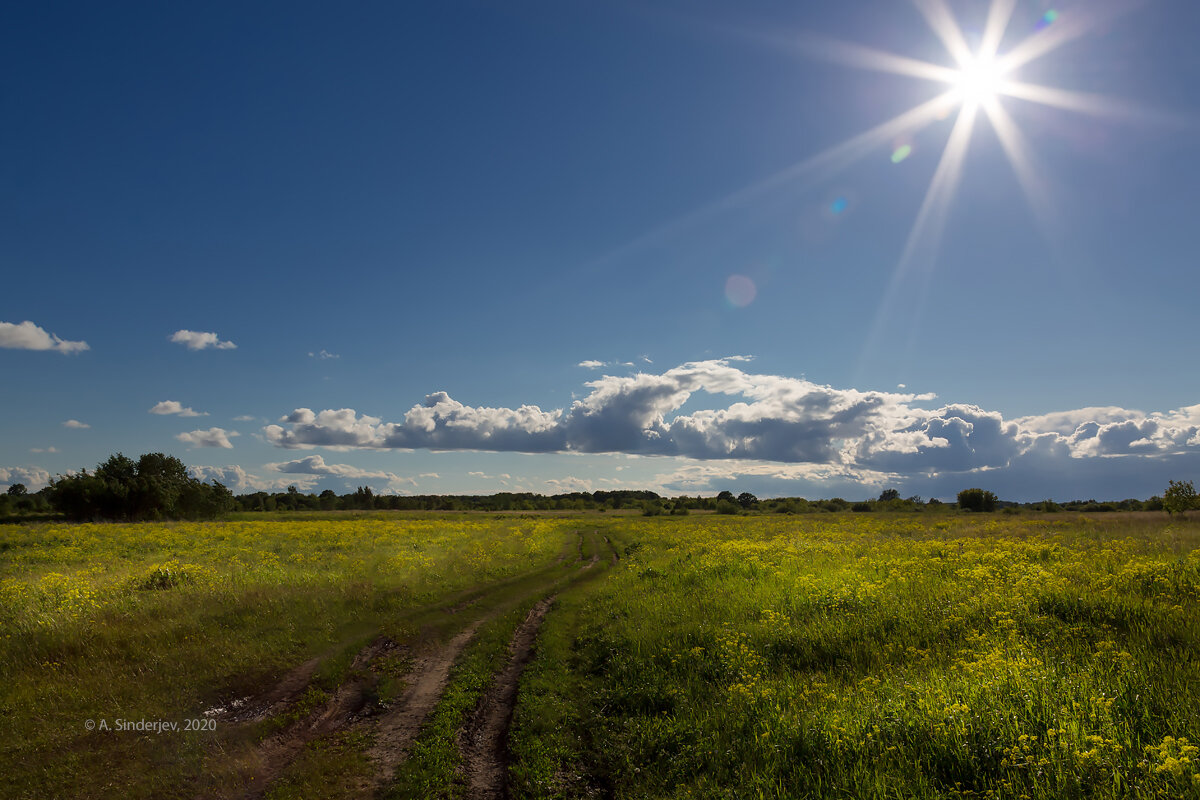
[{"x": 977, "y": 82}]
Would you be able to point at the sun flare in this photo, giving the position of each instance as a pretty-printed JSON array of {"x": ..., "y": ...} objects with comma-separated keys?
[{"x": 979, "y": 80}]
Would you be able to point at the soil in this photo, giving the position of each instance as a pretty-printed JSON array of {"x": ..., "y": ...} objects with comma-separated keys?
[{"x": 484, "y": 740}]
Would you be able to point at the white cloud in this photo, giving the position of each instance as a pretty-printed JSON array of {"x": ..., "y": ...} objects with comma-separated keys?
[
  {"x": 593, "y": 364},
  {"x": 245, "y": 418},
  {"x": 242, "y": 482},
  {"x": 199, "y": 340},
  {"x": 323, "y": 355},
  {"x": 572, "y": 484},
  {"x": 33, "y": 478},
  {"x": 175, "y": 407},
  {"x": 43, "y": 449},
  {"x": 864, "y": 436},
  {"x": 74, "y": 423},
  {"x": 1065, "y": 422},
  {"x": 315, "y": 465},
  {"x": 27, "y": 336},
  {"x": 213, "y": 437}
]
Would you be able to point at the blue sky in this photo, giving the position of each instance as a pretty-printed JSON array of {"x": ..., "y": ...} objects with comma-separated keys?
[{"x": 474, "y": 247}]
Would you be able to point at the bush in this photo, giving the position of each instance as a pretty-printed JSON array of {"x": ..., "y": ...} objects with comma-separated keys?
[
  {"x": 728, "y": 507},
  {"x": 977, "y": 500},
  {"x": 651, "y": 509}
]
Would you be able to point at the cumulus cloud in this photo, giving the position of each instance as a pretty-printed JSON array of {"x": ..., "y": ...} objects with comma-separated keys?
[
  {"x": 27, "y": 336},
  {"x": 200, "y": 340},
  {"x": 33, "y": 478},
  {"x": 245, "y": 418},
  {"x": 213, "y": 437},
  {"x": 323, "y": 355},
  {"x": 858, "y": 435},
  {"x": 241, "y": 482},
  {"x": 74, "y": 423},
  {"x": 315, "y": 465},
  {"x": 175, "y": 407},
  {"x": 590, "y": 364}
]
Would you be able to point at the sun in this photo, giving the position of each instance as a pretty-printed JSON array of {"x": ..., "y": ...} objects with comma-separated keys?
[{"x": 979, "y": 80}]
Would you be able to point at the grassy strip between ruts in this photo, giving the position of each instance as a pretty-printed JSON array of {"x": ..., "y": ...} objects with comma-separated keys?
[
  {"x": 434, "y": 763},
  {"x": 549, "y": 735},
  {"x": 433, "y": 769}
]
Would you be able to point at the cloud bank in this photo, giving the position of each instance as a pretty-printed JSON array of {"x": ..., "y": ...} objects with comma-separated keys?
[
  {"x": 200, "y": 340},
  {"x": 27, "y": 336},
  {"x": 240, "y": 481},
  {"x": 863, "y": 436},
  {"x": 315, "y": 465},
  {"x": 33, "y": 478}
]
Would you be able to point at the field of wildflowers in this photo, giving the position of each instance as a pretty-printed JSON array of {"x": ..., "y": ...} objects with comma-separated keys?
[
  {"x": 834, "y": 655},
  {"x": 111, "y": 622},
  {"x": 875, "y": 656}
]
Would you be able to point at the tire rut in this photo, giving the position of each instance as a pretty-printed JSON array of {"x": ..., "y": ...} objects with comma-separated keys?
[
  {"x": 349, "y": 701},
  {"x": 393, "y": 727},
  {"x": 484, "y": 741},
  {"x": 398, "y": 727}
]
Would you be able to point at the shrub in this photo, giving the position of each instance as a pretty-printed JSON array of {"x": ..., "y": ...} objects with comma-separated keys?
[
  {"x": 727, "y": 507},
  {"x": 977, "y": 500}
]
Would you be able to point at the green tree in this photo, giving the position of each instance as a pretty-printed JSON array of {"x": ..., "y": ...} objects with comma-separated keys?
[
  {"x": 976, "y": 500},
  {"x": 1179, "y": 497},
  {"x": 747, "y": 500},
  {"x": 153, "y": 487},
  {"x": 889, "y": 494}
]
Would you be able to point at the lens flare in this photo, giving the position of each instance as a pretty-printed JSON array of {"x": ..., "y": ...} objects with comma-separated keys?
[
  {"x": 979, "y": 80},
  {"x": 1048, "y": 19},
  {"x": 900, "y": 153},
  {"x": 740, "y": 291}
]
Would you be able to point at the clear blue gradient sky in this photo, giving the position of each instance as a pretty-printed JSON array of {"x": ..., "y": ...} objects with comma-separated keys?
[{"x": 473, "y": 247}]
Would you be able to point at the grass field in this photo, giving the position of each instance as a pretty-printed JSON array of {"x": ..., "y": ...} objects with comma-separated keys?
[{"x": 876, "y": 656}]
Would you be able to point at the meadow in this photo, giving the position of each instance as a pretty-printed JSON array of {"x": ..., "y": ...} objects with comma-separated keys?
[
  {"x": 821, "y": 655},
  {"x": 876, "y": 656}
]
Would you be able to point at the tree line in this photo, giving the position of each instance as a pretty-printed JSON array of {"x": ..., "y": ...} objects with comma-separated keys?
[{"x": 158, "y": 486}]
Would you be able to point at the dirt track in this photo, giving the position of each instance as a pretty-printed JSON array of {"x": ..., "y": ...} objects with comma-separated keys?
[
  {"x": 393, "y": 727},
  {"x": 484, "y": 741}
]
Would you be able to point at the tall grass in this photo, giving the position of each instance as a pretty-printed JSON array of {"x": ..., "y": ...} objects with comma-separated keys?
[
  {"x": 161, "y": 621},
  {"x": 879, "y": 657}
]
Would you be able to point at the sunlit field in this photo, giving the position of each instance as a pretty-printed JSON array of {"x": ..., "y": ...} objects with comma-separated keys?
[
  {"x": 164, "y": 621},
  {"x": 876, "y": 656},
  {"x": 830, "y": 655}
]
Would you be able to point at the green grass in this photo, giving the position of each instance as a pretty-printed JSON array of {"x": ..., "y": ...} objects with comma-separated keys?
[
  {"x": 886, "y": 657},
  {"x": 432, "y": 769},
  {"x": 155, "y": 621},
  {"x": 833, "y": 655}
]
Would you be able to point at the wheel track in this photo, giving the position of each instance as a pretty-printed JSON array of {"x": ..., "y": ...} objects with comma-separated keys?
[{"x": 484, "y": 741}]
